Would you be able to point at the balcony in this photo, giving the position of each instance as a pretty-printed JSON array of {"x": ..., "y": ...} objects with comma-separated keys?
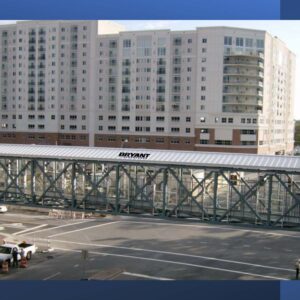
[
  {"x": 243, "y": 73},
  {"x": 161, "y": 90},
  {"x": 126, "y": 63},
  {"x": 161, "y": 62},
  {"x": 126, "y": 99},
  {"x": 125, "y": 108},
  {"x": 246, "y": 54},
  {"x": 161, "y": 71},
  {"x": 246, "y": 93}
]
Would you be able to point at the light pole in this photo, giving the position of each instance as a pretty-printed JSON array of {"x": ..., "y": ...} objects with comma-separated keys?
[{"x": 124, "y": 141}]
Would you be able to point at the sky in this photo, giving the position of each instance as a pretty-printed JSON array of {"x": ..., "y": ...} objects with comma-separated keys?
[{"x": 287, "y": 31}]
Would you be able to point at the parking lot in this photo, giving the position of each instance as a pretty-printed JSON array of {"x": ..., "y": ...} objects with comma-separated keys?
[{"x": 143, "y": 248}]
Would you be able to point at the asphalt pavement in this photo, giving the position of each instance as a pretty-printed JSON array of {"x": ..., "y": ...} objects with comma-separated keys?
[{"x": 143, "y": 248}]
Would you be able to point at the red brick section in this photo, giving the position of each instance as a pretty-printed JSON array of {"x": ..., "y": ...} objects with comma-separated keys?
[
  {"x": 44, "y": 138},
  {"x": 236, "y": 137},
  {"x": 228, "y": 150},
  {"x": 211, "y": 132},
  {"x": 184, "y": 143}
]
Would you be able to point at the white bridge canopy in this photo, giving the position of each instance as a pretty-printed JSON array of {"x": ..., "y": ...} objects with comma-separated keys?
[{"x": 157, "y": 157}]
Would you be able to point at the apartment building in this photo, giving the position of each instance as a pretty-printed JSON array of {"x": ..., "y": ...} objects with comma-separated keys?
[{"x": 209, "y": 89}]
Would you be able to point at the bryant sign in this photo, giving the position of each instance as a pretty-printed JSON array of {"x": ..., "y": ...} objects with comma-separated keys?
[{"x": 134, "y": 155}]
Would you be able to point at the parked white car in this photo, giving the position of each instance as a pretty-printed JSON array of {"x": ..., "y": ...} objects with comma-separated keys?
[
  {"x": 6, "y": 251},
  {"x": 3, "y": 209}
]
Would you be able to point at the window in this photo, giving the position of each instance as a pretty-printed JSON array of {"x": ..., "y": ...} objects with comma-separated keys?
[
  {"x": 160, "y": 129},
  {"x": 243, "y": 120},
  {"x": 239, "y": 42},
  {"x": 203, "y": 59},
  {"x": 203, "y": 88},
  {"x": 260, "y": 44},
  {"x": 175, "y": 119},
  {"x": 202, "y": 98},
  {"x": 174, "y": 141},
  {"x": 188, "y": 119},
  {"x": 204, "y": 41},
  {"x": 177, "y": 42},
  {"x": 224, "y": 120},
  {"x": 223, "y": 142},
  {"x": 160, "y": 119},
  {"x": 230, "y": 120},
  {"x": 249, "y": 43},
  {"x": 203, "y": 142},
  {"x": 227, "y": 40},
  {"x": 126, "y": 43},
  {"x": 248, "y": 131},
  {"x": 188, "y": 130},
  {"x": 111, "y": 128},
  {"x": 175, "y": 129},
  {"x": 159, "y": 140},
  {"x": 202, "y": 120},
  {"x": 161, "y": 51}
]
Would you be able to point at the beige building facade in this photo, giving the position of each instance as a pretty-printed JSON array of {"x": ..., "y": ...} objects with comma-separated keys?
[{"x": 209, "y": 89}]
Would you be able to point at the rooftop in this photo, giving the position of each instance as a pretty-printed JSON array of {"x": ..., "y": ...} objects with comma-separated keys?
[{"x": 156, "y": 157}]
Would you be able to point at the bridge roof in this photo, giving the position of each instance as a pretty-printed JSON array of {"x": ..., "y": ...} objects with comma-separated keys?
[{"x": 157, "y": 157}]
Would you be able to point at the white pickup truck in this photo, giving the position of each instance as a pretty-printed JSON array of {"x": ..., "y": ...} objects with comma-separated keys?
[{"x": 6, "y": 251}]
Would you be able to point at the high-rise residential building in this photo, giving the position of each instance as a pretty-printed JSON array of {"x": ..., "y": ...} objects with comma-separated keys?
[{"x": 209, "y": 89}]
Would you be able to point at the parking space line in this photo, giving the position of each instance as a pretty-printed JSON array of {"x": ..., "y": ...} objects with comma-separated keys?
[
  {"x": 81, "y": 229},
  {"x": 145, "y": 276},
  {"x": 61, "y": 226},
  {"x": 178, "y": 263},
  {"x": 217, "y": 227},
  {"x": 30, "y": 229},
  {"x": 52, "y": 276},
  {"x": 176, "y": 254}
]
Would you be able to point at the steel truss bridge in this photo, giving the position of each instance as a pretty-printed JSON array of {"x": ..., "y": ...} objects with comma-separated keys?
[{"x": 212, "y": 187}]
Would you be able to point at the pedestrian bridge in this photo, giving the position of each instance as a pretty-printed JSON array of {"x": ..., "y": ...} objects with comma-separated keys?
[{"x": 213, "y": 187}]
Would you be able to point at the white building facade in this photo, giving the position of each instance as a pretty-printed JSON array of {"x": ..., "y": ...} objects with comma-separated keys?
[{"x": 209, "y": 89}]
